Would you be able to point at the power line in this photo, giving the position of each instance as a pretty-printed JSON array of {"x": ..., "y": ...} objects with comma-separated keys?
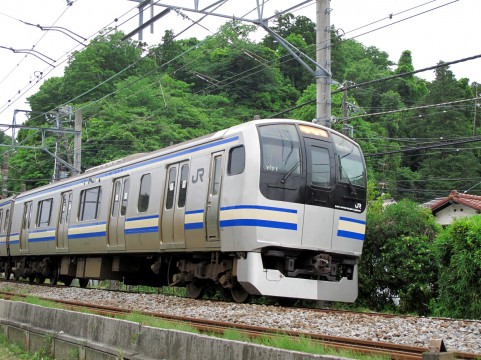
[
  {"x": 353, "y": 86},
  {"x": 476, "y": 139}
]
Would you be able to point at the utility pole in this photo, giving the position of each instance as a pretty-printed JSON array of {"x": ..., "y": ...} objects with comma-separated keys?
[
  {"x": 346, "y": 128},
  {"x": 56, "y": 165},
  {"x": 344, "y": 110},
  {"x": 323, "y": 58},
  {"x": 475, "y": 108},
  {"x": 5, "y": 175},
  {"x": 77, "y": 147}
]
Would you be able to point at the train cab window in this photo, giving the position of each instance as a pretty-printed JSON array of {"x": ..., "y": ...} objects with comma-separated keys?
[
  {"x": 44, "y": 212},
  {"x": 171, "y": 188},
  {"x": 144, "y": 193},
  {"x": 351, "y": 164},
  {"x": 321, "y": 168},
  {"x": 184, "y": 178},
  {"x": 7, "y": 219},
  {"x": 280, "y": 149},
  {"x": 89, "y": 204},
  {"x": 237, "y": 161}
]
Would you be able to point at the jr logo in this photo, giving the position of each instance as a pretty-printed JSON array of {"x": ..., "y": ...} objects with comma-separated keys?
[{"x": 200, "y": 175}]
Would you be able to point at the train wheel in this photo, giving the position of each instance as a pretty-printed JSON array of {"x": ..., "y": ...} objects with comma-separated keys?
[
  {"x": 285, "y": 301},
  {"x": 53, "y": 278},
  {"x": 8, "y": 272},
  {"x": 196, "y": 289},
  {"x": 67, "y": 281},
  {"x": 83, "y": 282},
  {"x": 238, "y": 293}
]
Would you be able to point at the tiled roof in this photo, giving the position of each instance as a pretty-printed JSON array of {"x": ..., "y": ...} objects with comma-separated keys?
[{"x": 473, "y": 201}]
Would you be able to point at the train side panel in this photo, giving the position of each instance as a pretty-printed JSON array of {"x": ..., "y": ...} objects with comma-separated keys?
[{"x": 6, "y": 206}]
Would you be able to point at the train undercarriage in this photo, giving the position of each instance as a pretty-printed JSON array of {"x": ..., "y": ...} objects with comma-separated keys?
[{"x": 197, "y": 272}]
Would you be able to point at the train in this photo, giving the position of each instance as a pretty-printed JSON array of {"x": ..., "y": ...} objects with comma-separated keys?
[{"x": 272, "y": 207}]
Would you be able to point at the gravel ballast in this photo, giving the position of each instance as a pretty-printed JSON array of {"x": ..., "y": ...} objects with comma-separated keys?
[{"x": 458, "y": 335}]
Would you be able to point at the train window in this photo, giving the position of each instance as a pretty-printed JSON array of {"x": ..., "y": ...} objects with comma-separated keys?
[
  {"x": 27, "y": 214},
  {"x": 66, "y": 205},
  {"x": 144, "y": 193},
  {"x": 351, "y": 164},
  {"x": 44, "y": 211},
  {"x": 280, "y": 149},
  {"x": 89, "y": 204},
  {"x": 171, "y": 188},
  {"x": 217, "y": 175},
  {"x": 184, "y": 177},
  {"x": 116, "y": 204},
  {"x": 125, "y": 197},
  {"x": 237, "y": 160},
  {"x": 321, "y": 168},
  {"x": 7, "y": 219}
]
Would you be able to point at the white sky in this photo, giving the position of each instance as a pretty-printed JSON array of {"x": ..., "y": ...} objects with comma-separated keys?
[{"x": 447, "y": 33}]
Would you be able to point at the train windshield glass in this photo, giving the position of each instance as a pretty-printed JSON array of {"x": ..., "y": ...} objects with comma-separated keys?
[
  {"x": 280, "y": 149},
  {"x": 350, "y": 161}
]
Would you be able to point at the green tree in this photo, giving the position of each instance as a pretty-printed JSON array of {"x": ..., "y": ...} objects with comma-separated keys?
[
  {"x": 459, "y": 259},
  {"x": 410, "y": 88},
  {"x": 440, "y": 124},
  {"x": 92, "y": 72},
  {"x": 397, "y": 260}
]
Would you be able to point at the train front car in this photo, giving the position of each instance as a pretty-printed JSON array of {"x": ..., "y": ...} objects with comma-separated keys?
[{"x": 309, "y": 216}]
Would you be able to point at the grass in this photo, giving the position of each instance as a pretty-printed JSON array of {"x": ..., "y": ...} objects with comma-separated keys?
[
  {"x": 280, "y": 341},
  {"x": 12, "y": 351}
]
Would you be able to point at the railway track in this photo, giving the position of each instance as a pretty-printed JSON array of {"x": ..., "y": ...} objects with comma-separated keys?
[{"x": 394, "y": 351}]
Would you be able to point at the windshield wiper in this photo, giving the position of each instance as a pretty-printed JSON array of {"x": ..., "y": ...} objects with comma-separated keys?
[
  {"x": 345, "y": 176},
  {"x": 289, "y": 173}
]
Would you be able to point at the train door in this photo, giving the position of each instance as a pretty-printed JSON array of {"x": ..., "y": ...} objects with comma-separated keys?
[
  {"x": 318, "y": 214},
  {"x": 24, "y": 231},
  {"x": 63, "y": 221},
  {"x": 173, "y": 215},
  {"x": 213, "y": 198},
  {"x": 118, "y": 211}
]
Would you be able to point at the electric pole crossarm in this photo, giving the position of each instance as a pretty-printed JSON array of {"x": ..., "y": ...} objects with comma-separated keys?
[
  {"x": 63, "y": 162},
  {"x": 14, "y": 126},
  {"x": 289, "y": 47},
  {"x": 146, "y": 24},
  {"x": 287, "y": 10}
]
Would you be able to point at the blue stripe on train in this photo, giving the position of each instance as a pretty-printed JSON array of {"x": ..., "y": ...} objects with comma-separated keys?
[
  {"x": 350, "y": 235},
  {"x": 259, "y": 223},
  {"x": 87, "y": 235},
  {"x": 142, "y": 230}
]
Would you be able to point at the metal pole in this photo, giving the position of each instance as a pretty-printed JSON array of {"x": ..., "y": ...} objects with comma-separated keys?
[
  {"x": 475, "y": 108},
  {"x": 323, "y": 58},
  {"x": 5, "y": 175},
  {"x": 77, "y": 147},
  {"x": 57, "y": 141},
  {"x": 344, "y": 111}
]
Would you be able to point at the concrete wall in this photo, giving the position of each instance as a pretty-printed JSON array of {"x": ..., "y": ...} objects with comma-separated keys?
[{"x": 71, "y": 335}]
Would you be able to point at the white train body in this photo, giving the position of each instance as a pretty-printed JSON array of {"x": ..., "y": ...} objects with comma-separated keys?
[{"x": 269, "y": 207}]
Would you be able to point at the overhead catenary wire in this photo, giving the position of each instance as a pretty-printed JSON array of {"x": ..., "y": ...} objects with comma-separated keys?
[{"x": 387, "y": 78}]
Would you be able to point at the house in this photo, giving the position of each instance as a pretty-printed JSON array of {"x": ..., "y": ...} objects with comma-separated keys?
[{"x": 454, "y": 206}]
